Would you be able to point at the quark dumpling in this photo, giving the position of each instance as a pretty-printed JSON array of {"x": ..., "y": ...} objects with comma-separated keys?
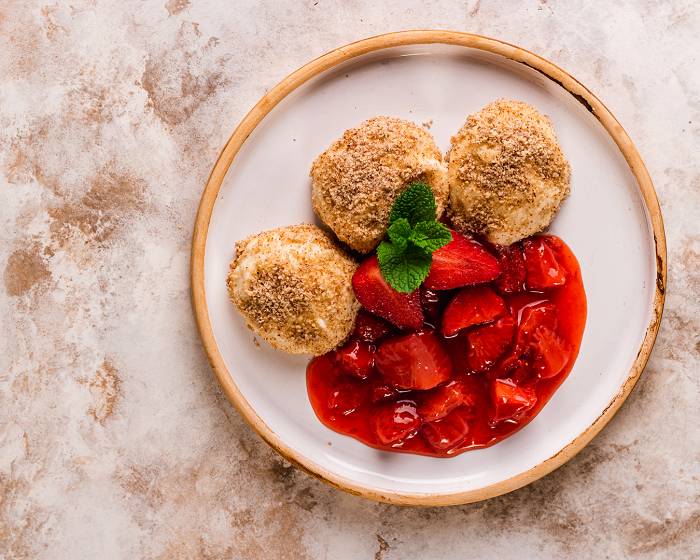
[
  {"x": 357, "y": 179},
  {"x": 506, "y": 172},
  {"x": 293, "y": 286}
]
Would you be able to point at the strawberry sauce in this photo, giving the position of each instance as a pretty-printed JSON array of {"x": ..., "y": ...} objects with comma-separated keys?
[{"x": 503, "y": 351}]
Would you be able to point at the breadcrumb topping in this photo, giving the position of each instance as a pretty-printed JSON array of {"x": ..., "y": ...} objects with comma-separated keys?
[
  {"x": 357, "y": 179},
  {"x": 293, "y": 287},
  {"x": 507, "y": 173}
]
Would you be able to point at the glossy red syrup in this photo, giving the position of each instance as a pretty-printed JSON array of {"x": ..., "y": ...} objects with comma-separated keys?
[{"x": 359, "y": 405}]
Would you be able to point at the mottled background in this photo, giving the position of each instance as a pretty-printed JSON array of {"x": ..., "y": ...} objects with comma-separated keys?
[{"x": 115, "y": 440}]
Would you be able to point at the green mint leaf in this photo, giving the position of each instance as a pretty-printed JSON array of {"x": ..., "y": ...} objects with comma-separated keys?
[
  {"x": 430, "y": 236},
  {"x": 399, "y": 232},
  {"x": 404, "y": 268},
  {"x": 404, "y": 260},
  {"x": 415, "y": 204}
]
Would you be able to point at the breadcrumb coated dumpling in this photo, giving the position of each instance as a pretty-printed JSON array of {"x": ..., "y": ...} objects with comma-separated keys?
[
  {"x": 357, "y": 179},
  {"x": 293, "y": 286},
  {"x": 506, "y": 172}
]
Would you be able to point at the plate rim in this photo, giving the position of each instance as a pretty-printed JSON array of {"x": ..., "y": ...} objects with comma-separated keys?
[{"x": 324, "y": 63}]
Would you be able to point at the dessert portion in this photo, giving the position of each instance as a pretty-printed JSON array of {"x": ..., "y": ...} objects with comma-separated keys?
[
  {"x": 507, "y": 174},
  {"x": 452, "y": 334},
  {"x": 293, "y": 287},
  {"x": 357, "y": 179},
  {"x": 482, "y": 361}
]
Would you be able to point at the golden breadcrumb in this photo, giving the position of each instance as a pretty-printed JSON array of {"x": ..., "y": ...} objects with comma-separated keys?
[
  {"x": 506, "y": 172},
  {"x": 357, "y": 179},
  {"x": 293, "y": 287}
]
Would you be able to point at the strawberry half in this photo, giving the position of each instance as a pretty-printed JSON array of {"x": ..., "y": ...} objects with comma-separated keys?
[
  {"x": 378, "y": 297},
  {"x": 471, "y": 306},
  {"x": 370, "y": 328},
  {"x": 356, "y": 358},
  {"x": 414, "y": 361},
  {"x": 510, "y": 401},
  {"x": 543, "y": 269},
  {"x": 396, "y": 421},
  {"x": 439, "y": 402},
  {"x": 462, "y": 262},
  {"x": 512, "y": 279},
  {"x": 448, "y": 432},
  {"x": 488, "y": 343}
]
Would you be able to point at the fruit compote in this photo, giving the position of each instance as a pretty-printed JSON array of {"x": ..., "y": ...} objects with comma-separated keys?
[{"x": 463, "y": 362}]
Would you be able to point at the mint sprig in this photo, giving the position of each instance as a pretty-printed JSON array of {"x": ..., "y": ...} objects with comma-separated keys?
[{"x": 414, "y": 234}]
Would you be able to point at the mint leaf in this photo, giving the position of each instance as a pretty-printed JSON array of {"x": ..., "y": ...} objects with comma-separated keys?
[
  {"x": 404, "y": 268},
  {"x": 404, "y": 260},
  {"x": 430, "y": 236},
  {"x": 399, "y": 232},
  {"x": 415, "y": 204}
]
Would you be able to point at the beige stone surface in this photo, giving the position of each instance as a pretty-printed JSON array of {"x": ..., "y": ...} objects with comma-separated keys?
[{"x": 115, "y": 441}]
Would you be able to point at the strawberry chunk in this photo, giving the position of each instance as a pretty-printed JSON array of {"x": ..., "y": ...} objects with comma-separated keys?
[
  {"x": 512, "y": 279},
  {"x": 538, "y": 343},
  {"x": 345, "y": 397},
  {"x": 378, "y": 297},
  {"x": 513, "y": 367},
  {"x": 439, "y": 402},
  {"x": 449, "y": 431},
  {"x": 551, "y": 353},
  {"x": 462, "y": 262},
  {"x": 531, "y": 318},
  {"x": 510, "y": 402},
  {"x": 433, "y": 303},
  {"x": 543, "y": 313},
  {"x": 370, "y": 328},
  {"x": 543, "y": 271},
  {"x": 396, "y": 421},
  {"x": 485, "y": 345},
  {"x": 471, "y": 306},
  {"x": 414, "y": 361},
  {"x": 382, "y": 391},
  {"x": 356, "y": 357}
]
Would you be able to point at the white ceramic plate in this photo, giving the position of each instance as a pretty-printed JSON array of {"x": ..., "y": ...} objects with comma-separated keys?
[{"x": 610, "y": 221}]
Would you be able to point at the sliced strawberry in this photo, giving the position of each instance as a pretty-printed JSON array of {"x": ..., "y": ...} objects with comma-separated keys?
[
  {"x": 414, "y": 361},
  {"x": 512, "y": 279},
  {"x": 396, "y": 421},
  {"x": 346, "y": 397},
  {"x": 370, "y": 328},
  {"x": 462, "y": 262},
  {"x": 378, "y": 297},
  {"x": 448, "y": 432},
  {"x": 356, "y": 357},
  {"x": 471, "y": 306},
  {"x": 510, "y": 401},
  {"x": 543, "y": 270},
  {"x": 488, "y": 343},
  {"x": 550, "y": 351},
  {"x": 439, "y": 402}
]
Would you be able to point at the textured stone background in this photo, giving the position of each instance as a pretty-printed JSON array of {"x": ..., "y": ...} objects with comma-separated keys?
[{"x": 115, "y": 441}]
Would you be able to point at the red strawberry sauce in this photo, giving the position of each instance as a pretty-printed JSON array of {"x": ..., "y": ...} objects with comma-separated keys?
[{"x": 499, "y": 380}]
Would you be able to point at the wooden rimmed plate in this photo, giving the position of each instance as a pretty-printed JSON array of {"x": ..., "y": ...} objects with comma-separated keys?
[{"x": 611, "y": 221}]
